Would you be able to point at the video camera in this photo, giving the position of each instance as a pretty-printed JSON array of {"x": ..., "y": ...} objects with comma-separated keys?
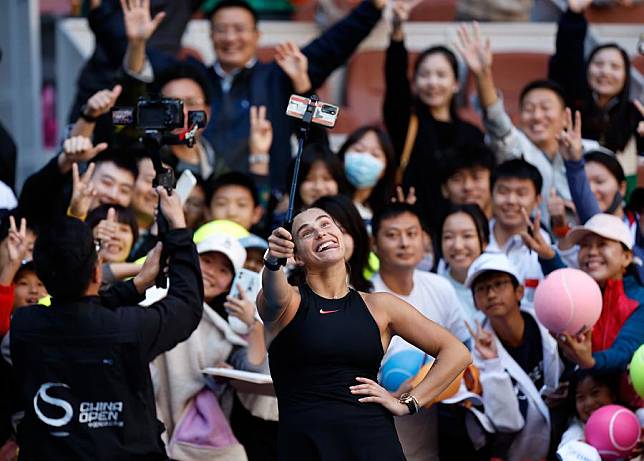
[
  {"x": 157, "y": 114},
  {"x": 159, "y": 118}
]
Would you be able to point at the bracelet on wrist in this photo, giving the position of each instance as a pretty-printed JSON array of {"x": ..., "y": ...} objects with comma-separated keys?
[{"x": 258, "y": 158}]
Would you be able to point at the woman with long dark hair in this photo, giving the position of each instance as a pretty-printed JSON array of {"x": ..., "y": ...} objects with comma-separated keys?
[
  {"x": 326, "y": 342},
  {"x": 599, "y": 87},
  {"x": 421, "y": 116}
]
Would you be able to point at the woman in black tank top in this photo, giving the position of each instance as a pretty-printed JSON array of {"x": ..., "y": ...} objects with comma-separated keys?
[{"x": 326, "y": 342}]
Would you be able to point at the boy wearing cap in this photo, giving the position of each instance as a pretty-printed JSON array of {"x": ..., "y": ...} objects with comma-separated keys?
[{"x": 517, "y": 358}]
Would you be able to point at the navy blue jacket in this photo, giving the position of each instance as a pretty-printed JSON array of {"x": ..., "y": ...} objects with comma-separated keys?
[{"x": 266, "y": 84}]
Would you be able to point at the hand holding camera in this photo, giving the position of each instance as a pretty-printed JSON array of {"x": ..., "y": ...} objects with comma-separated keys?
[{"x": 171, "y": 208}]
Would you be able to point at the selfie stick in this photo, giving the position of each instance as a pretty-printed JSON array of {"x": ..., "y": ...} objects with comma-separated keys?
[{"x": 305, "y": 126}]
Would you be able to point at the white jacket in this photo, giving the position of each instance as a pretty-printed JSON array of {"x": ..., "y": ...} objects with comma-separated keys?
[{"x": 503, "y": 380}]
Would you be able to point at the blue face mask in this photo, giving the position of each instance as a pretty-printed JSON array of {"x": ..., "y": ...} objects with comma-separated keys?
[{"x": 362, "y": 169}]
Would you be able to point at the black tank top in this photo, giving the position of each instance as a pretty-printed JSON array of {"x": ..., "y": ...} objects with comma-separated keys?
[{"x": 313, "y": 361}]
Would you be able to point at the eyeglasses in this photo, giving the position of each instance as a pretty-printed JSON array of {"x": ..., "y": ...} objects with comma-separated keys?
[
  {"x": 483, "y": 288},
  {"x": 236, "y": 29}
]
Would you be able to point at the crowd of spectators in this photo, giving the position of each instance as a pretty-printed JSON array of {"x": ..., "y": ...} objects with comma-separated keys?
[{"x": 462, "y": 221}]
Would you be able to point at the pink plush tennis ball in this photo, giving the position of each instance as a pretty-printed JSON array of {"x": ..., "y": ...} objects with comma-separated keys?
[
  {"x": 568, "y": 301},
  {"x": 613, "y": 430}
]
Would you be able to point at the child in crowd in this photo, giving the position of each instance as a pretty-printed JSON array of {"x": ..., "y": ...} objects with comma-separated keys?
[
  {"x": 589, "y": 392},
  {"x": 255, "y": 247},
  {"x": 19, "y": 284},
  {"x": 370, "y": 167},
  {"x": 233, "y": 196},
  {"x": 465, "y": 234},
  {"x": 518, "y": 361}
]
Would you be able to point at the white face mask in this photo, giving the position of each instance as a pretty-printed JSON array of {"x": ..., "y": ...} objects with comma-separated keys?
[{"x": 362, "y": 169}]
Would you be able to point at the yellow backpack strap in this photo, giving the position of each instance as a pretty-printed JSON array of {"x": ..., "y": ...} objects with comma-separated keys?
[{"x": 412, "y": 131}]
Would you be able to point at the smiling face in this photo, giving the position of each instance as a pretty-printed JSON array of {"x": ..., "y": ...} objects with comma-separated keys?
[
  {"x": 435, "y": 82},
  {"x": 542, "y": 116},
  {"x": 319, "y": 241},
  {"x": 217, "y": 273},
  {"x": 603, "y": 184},
  {"x": 607, "y": 73},
  {"x": 318, "y": 183},
  {"x": 400, "y": 244},
  {"x": 495, "y": 295},
  {"x": 235, "y": 203},
  {"x": 234, "y": 37},
  {"x": 590, "y": 396},
  {"x": 460, "y": 244},
  {"x": 28, "y": 289},
  {"x": 117, "y": 249},
  {"x": 509, "y": 197},
  {"x": 113, "y": 185},
  {"x": 603, "y": 259}
]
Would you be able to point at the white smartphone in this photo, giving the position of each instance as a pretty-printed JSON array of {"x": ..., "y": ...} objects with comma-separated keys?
[
  {"x": 325, "y": 114},
  {"x": 185, "y": 183},
  {"x": 249, "y": 281}
]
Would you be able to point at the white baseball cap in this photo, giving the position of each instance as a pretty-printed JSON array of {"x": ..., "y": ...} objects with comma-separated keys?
[
  {"x": 578, "y": 451},
  {"x": 605, "y": 225},
  {"x": 490, "y": 261},
  {"x": 226, "y": 244}
]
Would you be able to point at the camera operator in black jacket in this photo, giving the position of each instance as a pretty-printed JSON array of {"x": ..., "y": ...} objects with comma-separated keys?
[{"x": 82, "y": 365}]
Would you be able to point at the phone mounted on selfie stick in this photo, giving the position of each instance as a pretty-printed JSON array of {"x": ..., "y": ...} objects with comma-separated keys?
[
  {"x": 159, "y": 118},
  {"x": 309, "y": 111}
]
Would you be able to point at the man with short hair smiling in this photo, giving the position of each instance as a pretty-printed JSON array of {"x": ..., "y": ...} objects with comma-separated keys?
[
  {"x": 399, "y": 244},
  {"x": 240, "y": 81},
  {"x": 542, "y": 117},
  {"x": 515, "y": 195},
  {"x": 47, "y": 192},
  {"x": 517, "y": 359}
]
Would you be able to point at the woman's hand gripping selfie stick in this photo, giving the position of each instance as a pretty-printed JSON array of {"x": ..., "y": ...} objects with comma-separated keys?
[{"x": 305, "y": 126}]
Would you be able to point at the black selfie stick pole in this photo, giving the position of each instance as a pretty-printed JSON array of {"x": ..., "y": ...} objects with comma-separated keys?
[
  {"x": 302, "y": 134},
  {"x": 164, "y": 177}
]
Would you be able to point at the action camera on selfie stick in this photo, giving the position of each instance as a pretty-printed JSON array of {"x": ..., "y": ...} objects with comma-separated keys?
[
  {"x": 158, "y": 119},
  {"x": 309, "y": 111}
]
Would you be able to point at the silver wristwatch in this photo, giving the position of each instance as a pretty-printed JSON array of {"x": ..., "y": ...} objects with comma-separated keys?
[{"x": 411, "y": 402}]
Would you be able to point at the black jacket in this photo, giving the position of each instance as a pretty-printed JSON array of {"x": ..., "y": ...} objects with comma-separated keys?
[{"x": 82, "y": 367}]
